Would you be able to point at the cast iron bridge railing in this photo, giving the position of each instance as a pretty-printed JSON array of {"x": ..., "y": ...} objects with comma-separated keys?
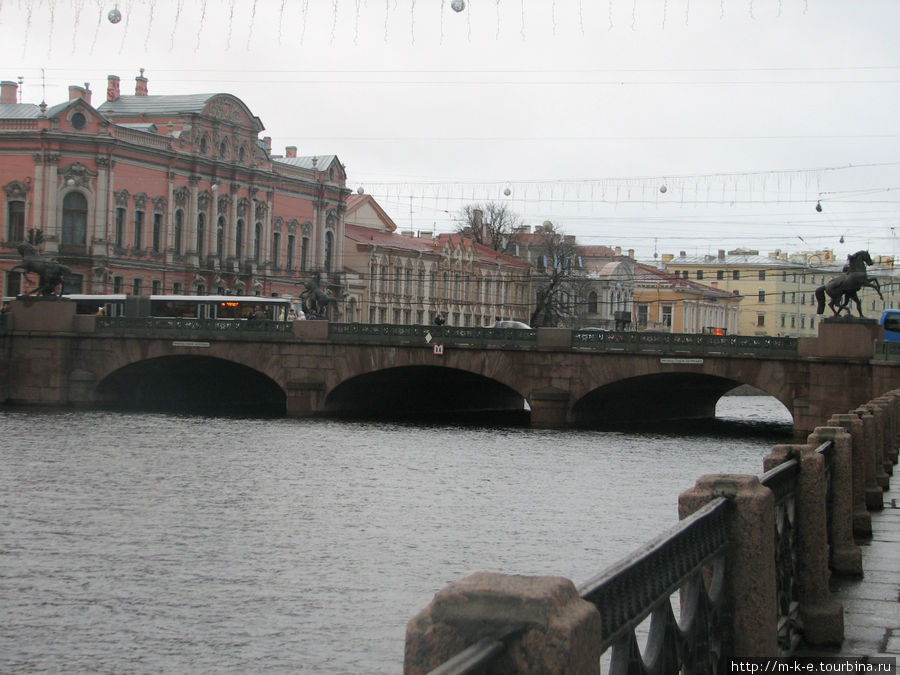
[
  {"x": 591, "y": 340},
  {"x": 688, "y": 564},
  {"x": 181, "y": 326}
]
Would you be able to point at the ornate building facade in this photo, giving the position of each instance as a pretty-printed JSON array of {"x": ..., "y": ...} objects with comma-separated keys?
[{"x": 164, "y": 194}]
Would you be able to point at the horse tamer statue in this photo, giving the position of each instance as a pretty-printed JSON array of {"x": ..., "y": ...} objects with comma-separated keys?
[
  {"x": 842, "y": 289},
  {"x": 50, "y": 273}
]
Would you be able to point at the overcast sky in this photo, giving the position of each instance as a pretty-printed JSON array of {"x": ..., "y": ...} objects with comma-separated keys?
[{"x": 657, "y": 125}]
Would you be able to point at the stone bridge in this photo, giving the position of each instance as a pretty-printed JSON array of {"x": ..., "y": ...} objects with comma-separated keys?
[{"x": 554, "y": 377}]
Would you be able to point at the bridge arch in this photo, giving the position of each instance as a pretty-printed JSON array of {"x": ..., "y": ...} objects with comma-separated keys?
[
  {"x": 191, "y": 383},
  {"x": 422, "y": 390},
  {"x": 653, "y": 397}
]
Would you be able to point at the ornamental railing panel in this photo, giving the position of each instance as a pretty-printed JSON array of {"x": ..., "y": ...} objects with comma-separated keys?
[
  {"x": 782, "y": 481},
  {"x": 184, "y": 326}
]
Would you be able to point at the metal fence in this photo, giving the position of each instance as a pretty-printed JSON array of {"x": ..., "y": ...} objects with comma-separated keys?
[{"x": 180, "y": 326}]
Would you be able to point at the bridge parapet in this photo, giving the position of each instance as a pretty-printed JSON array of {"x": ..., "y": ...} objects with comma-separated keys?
[{"x": 751, "y": 556}]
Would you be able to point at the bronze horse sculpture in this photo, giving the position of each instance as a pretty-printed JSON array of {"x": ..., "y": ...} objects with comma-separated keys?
[
  {"x": 50, "y": 273},
  {"x": 314, "y": 300},
  {"x": 845, "y": 286}
]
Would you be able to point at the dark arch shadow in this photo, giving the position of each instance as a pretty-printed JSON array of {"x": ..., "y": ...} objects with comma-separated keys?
[
  {"x": 652, "y": 399},
  {"x": 427, "y": 393},
  {"x": 192, "y": 384}
]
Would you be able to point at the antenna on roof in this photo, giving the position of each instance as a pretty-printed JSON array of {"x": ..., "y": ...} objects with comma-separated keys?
[
  {"x": 43, "y": 88},
  {"x": 21, "y": 82}
]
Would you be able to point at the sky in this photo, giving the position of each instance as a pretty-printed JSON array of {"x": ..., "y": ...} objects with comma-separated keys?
[{"x": 655, "y": 125}]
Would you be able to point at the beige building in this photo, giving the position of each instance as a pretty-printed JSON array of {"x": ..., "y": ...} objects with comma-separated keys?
[{"x": 408, "y": 279}]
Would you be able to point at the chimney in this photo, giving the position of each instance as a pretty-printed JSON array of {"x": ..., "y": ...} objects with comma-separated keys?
[
  {"x": 618, "y": 250},
  {"x": 140, "y": 84},
  {"x": 267, "y": 141},
  {"x": 84, "y": 93},
  {"x": 721, "y": 254},
  {"x": 9, "y": 92},
  {"x": 290, "y": 151},
  {"x": 112, "y": 88},
  {"x": 478, "y": 222},
  {"x": 631, "y": 253}
]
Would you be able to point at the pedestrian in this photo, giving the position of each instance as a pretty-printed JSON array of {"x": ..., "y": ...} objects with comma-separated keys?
[{"x": 439, "y": 319}]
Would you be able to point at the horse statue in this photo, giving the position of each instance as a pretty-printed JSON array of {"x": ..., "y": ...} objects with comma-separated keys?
[
  {"x": 314, "y": 300},
  {"x": 50, "y": 273},
  {"x": 845, "y": 286}
]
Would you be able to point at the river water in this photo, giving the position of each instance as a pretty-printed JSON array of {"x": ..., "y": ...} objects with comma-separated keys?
[{"x": 142, "y": 542}]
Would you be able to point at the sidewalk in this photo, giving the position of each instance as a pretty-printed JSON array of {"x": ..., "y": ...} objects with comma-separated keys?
[{"x": 872, "y": 604}]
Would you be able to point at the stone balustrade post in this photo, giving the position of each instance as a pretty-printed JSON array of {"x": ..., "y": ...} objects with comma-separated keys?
[
  {"x": 874, "y": 493},
  {"x": 822, "y": 618},
  {"x": 852, "y": 424},
  {"x": 889, "y": 446},
  {"x": 561, "y": 631},
  {"x": 879, "y": 442},
  {"x": 750, "y": 574},
  {"x": 846, "y": 557}
]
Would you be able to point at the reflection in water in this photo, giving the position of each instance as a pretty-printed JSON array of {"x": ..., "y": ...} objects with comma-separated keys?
[{"x": 157, "y": 542}]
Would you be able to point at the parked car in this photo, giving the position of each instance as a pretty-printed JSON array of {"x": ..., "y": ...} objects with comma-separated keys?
[{"x": 511, "y": 324}]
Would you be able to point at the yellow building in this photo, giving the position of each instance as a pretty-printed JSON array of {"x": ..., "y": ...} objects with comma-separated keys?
[
  {"x": 676, "y": 304},
  {"x": 778, "y": 293}
]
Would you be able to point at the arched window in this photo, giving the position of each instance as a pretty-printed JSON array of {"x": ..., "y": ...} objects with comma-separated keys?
[
  {"x": 178, "y": 228},
  {"x": 329, "y": 250},
  {"x": 201, "y": 232},
  {"x": 220, "y": 237},
  {"x": 276, "y": 249},
  {"x": 257, "y": 242},
  {"x": 74, "y": 225},
  {"x": 592, "y": 302},
  {"x": 238, "y": 239}
]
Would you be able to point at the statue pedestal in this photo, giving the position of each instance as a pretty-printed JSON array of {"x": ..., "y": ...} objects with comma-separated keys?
[
  {"x": 49, "y": 314},
  {"x": 848, "y": 337}
]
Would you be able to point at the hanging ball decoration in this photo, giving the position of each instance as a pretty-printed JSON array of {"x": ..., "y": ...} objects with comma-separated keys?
[
  {"x": 819, "y": 207},
  {"x": 507, "y": 192},
  {"x": 458, "y": 5},
  {"x": 663, "y": 188},
  {"x": 114, "y": 16},
  {"x": 359, "y": 190}
]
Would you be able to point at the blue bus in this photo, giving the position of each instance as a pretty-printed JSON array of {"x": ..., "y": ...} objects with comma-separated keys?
[{"x": 890, "y": 320}]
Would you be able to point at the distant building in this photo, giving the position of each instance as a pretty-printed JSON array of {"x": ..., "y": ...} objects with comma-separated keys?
[
  {"x": 778, "y": 291},
  {"x": 164, "y": 194},
  {"x": 402, "y": 278},
  {"x": 670, "y": 303}
]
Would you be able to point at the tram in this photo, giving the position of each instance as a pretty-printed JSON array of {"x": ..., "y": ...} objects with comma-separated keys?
[{"x": 182, "y": 306}]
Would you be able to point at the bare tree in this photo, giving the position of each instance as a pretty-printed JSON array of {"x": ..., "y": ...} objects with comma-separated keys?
[
  {"x": 493, "y": 225},
  {"x": 560, "y": 282}
]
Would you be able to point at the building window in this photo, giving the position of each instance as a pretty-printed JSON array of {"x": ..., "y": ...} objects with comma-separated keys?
[
  {"x": 239, "y": 239},
  {"x": 74, "y": 225},
  {"x": 13, "y": 284},
  {"x": 699, "y": 275},
  {"x": 643, "y": 315},
  {"x": 177, "y": 230},
  {"x": 15, "y": 219},
  {"x": 257, "y": 242},
  {"x": 735, "y": 275},
  {"x": 761, "y": 296},
  {"x": 720, "y": 275},
  {"x": 666, "y": 316},
  {"x": 119, "y": 234},
  {"x": 220, "y": 237},
  {"x": 592, "y": 302},
  {"x": 329, "y": 250},
  {"x": 177, "y": 288},
  {"x": 138, "y": 230},
  {"x": 137, "y": 286},
  {"x": 201, "y": 233},
  {"x": 289, "y": 258},
  {"x": 276, "y": 249},
  {"x": 304, "y": 253},
  {"x": 118, "y": 284},
  {"x": 156, "y": 287},
  {"x": 760, "y": 319},
  {"x": 156, "y": 242},
  {"x": 762, "y": 275}
]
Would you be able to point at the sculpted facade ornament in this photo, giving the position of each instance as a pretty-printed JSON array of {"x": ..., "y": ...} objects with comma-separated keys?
[
  {"x": 261, "y": 210},
  {"x": 204, "y": 199},
  {"x": 243, "y": 207},
  {"x": 140, "y": 200},
  {"x": 159, "y": 204},
  {"x": 182, "y": 195},
  {"x": 16, "y": 190},
  {"x": 122, "y": 198},
  {"x": 77, "y": 174},
  {"x": 222, "y": 205}
]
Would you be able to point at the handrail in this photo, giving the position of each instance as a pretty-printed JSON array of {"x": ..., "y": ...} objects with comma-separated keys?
[{"x": 189, "y": 325}]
